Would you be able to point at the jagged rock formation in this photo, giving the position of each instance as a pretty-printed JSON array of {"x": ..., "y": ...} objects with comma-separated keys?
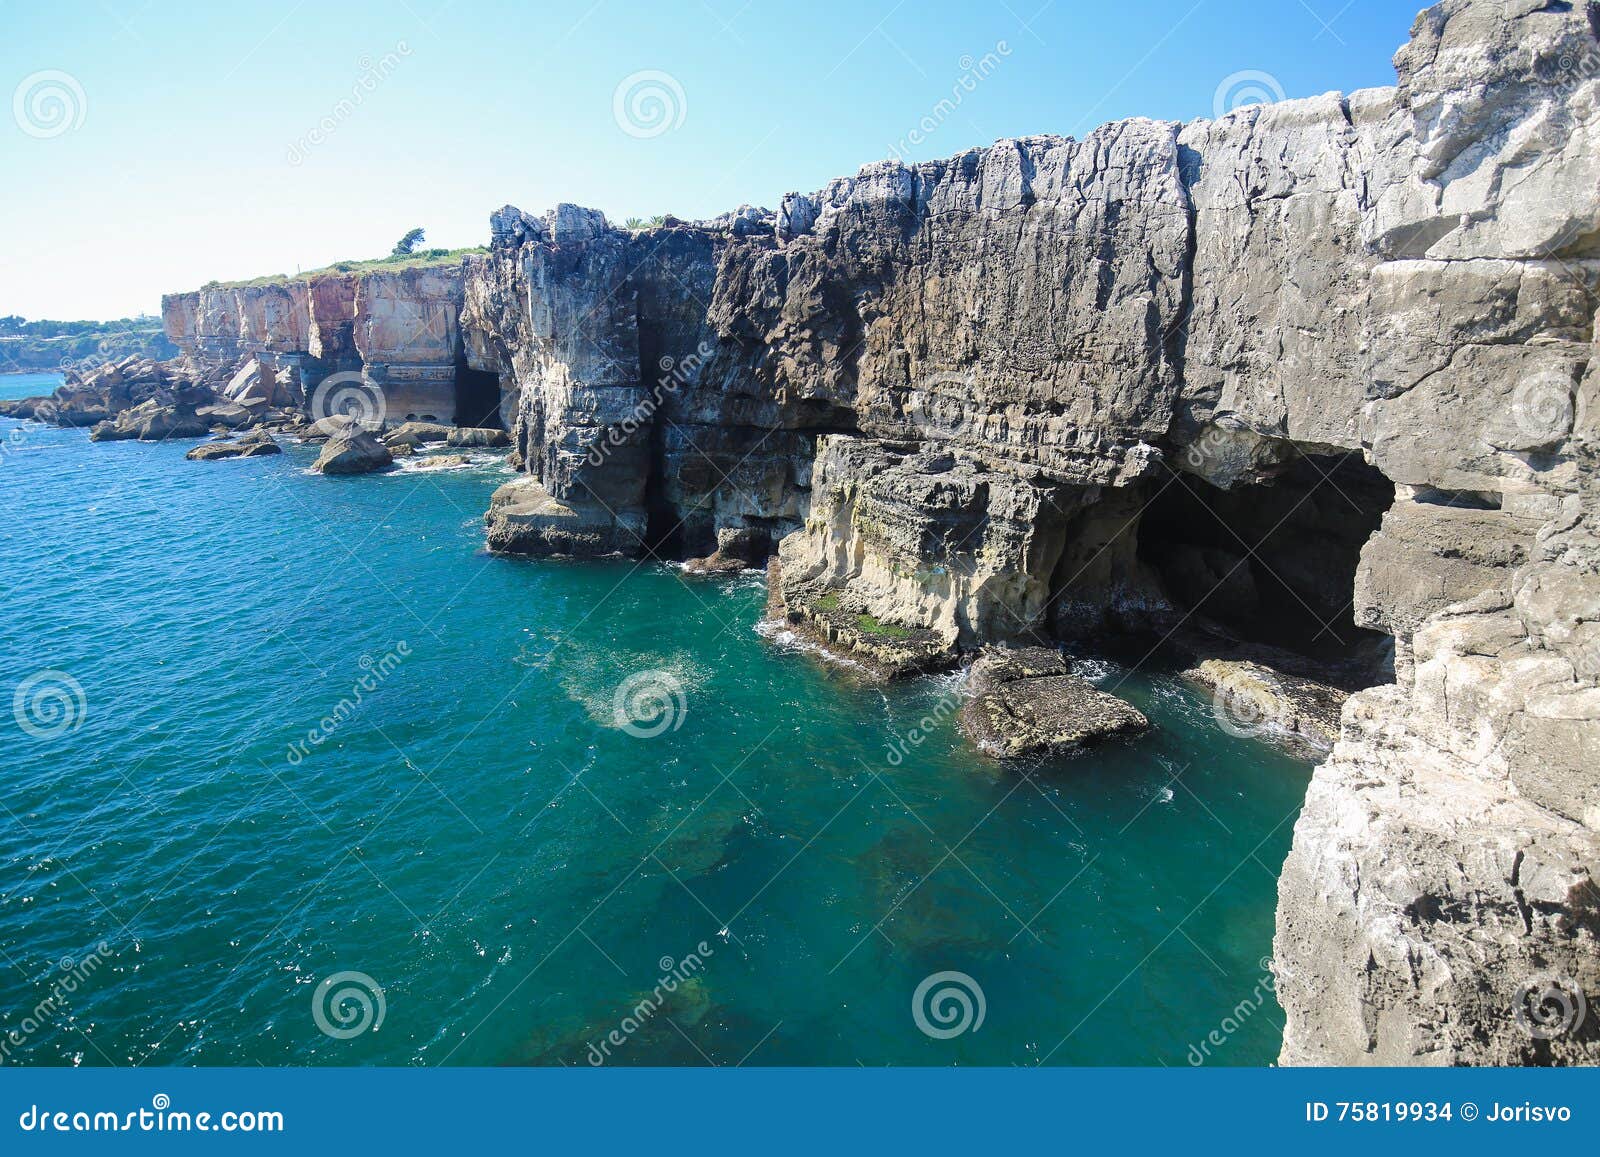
[
  {"x": 353, "y": 450},
  {"x": 134, "y": 398},
  {"x": 1444, "y": 865},
  {"x": 1169, "y": 376},
  {"x": 152, "y": 421},
  {"x": 648, "y": 422}
]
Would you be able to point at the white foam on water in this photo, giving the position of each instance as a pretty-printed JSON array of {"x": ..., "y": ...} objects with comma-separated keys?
[
  {"x": 750, "y": 579},
  {"x": 1094, "y": 670},
  {"x": 418, "y": 464},
  {"x": 789, "y": 640},
  {"x": 594, "y": 678}
]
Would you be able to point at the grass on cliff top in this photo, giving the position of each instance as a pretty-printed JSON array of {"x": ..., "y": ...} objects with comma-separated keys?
[
  {"x": 865, "y": 623},
  {"x": 872, "y": 625},
  {"x": 422, "y": 259}
]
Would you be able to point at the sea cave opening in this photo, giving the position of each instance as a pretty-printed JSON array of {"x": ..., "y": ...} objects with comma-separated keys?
[
  {"x": 1273, "y": 563},
  {"x": 477, "y": 398}
]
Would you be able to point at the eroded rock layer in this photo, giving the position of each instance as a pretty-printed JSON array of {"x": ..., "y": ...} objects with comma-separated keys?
[
  {"x": 384, "y": 345},
  {"x": 955, "y": 400}
]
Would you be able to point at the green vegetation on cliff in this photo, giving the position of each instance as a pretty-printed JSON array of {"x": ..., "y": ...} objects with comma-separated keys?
[{"x": 421, "y": 259}]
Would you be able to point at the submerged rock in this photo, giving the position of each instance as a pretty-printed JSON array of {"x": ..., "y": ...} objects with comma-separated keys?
[
  {"x": 1001, "y": 665},
  {"x": 441, "y": 461},
  {"x": 1027, "y": 704},
  {"x": 253, "y": 446},
  {"x": 1258, "y": 702},
  {"x": 213, "y": 451}
]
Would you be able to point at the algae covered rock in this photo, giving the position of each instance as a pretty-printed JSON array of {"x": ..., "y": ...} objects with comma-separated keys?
[{"x": 1027, "y": 704}]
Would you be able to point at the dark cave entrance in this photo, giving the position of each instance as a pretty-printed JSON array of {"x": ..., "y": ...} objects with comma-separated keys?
[
  {"x": 1272, "y": 563},
  {"x": 477, "y": 398}
]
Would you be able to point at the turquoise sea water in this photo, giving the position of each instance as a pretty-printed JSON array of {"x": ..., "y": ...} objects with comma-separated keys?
[{"x": 475, "y": 832}]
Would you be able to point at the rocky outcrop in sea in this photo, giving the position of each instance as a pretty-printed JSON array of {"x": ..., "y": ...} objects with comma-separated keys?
[{"x": 1316, "y": 374}]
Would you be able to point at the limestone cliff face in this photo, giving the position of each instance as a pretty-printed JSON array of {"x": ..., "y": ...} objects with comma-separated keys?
[
  {"x": 1440, "y": 897},
  {"x": 967, "y": 400},
  {"x": 393, "y": 335},
  {"x": 645, "y": 420},
  {"x": 1016, "y": 301}
]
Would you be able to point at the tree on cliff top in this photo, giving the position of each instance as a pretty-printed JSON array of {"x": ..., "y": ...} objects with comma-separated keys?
[{"x": 407, "y": 244}]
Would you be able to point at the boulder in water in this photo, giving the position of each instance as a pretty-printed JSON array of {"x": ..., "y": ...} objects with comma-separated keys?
[
  {"x": 1027, "y": 704},
  {"x": 416, "y": 434},
  {"x": 441, "y": 461},
  {"x": 152, "y": 421},
  {"x": 353, "y": 450},
  {"x": 478, "y": 436},
  {"x": 1299, "y": 714},
  {"x": 256, "y": 445}
]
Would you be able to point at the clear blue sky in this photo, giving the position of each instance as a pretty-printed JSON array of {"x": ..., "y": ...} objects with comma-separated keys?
[{"x": 180, "y": 169}]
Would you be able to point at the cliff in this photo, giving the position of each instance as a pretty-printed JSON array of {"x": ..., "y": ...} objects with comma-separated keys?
[
  {"x": 386, "y": 341},
  {"x": 1322, "y": 369}
]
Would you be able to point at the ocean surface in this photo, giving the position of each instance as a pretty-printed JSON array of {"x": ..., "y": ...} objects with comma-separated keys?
[{"x": 294, "y": 772}]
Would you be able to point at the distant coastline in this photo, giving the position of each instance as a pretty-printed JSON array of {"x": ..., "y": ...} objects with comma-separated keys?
[{"x": 30, "y": 347}]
